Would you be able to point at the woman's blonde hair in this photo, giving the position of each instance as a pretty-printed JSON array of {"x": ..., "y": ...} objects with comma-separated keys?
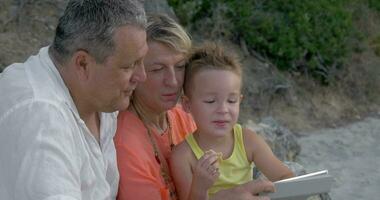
[{"x": 164, "y": 29}]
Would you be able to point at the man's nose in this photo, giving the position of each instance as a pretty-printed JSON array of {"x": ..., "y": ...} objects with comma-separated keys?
[{"x": 140, "y": 74}]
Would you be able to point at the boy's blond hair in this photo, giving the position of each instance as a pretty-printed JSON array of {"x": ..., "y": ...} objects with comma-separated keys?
[{"x": 208, "y": 56}]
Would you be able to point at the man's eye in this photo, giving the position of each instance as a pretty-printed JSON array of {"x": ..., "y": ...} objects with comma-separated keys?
[
  {"x": 129, "y": 67},
  {"x": 156, "y": 69}
]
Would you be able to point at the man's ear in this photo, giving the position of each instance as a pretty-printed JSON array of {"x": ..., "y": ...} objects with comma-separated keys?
[
  {"x": 82, "y": 62},
  {"x": 186, "y": 103}
]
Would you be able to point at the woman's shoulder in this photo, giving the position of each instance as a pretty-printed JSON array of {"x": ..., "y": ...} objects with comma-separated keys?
[
  {"x": 182, "y": 118},
  {"x": 129, "y": 129},
  {"x": 179, "y": 113},
  {"x": 126, "y": 116}
]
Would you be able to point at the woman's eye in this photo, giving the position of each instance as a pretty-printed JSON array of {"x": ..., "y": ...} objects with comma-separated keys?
[{"x": 180, "y": 67}]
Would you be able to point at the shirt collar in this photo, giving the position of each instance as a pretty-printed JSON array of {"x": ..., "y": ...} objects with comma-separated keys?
[{"x": 62, "y": 92}]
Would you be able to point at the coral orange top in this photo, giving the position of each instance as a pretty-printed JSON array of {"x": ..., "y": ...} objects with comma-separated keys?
[{"x": 140, "y": 176}]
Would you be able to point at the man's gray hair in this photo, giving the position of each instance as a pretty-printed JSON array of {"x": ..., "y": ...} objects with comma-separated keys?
[{"x": 89, "y": 25}]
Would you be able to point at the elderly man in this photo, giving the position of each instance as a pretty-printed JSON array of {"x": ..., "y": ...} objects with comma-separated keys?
[{"x": 57, "y": 110}]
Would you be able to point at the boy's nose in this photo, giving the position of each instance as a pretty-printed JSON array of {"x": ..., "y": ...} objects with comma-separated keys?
[{"x": 223, "y": 108}]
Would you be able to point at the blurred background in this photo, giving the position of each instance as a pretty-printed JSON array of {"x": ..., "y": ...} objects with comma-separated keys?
[{"x": 311, "y": 68}]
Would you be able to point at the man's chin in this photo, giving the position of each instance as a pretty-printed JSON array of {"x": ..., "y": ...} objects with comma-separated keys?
[
  {"x": 121, "y": 106},
  {"x": 124, "y": 105}
]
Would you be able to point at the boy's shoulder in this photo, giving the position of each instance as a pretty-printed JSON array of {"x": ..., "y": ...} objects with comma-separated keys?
[
  {"x": 249, "y": 134},
  {"x": 251, "y": 142},
  {"x": 182, "y": 151}
]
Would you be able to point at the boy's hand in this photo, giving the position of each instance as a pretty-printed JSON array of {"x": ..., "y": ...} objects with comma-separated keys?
[
  {"x": 246, "y": 191},
  {"x": 206, "y": 171}
]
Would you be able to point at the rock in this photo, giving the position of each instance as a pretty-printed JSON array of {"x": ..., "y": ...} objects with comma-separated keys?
[
  {"x": 159, "y": 6},
  {"x": 284, "y": 145},
  {"x": 281, "y": 140}
]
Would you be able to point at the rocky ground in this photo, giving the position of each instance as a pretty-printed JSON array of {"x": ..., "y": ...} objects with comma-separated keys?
[{"x": 351, "y": 154}]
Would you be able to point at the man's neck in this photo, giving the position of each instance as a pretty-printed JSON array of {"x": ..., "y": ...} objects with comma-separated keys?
[
  {"x": 93, "y": 124},
  {"x": 88, "y": 114},
  {"x": 85, "y": 110}
]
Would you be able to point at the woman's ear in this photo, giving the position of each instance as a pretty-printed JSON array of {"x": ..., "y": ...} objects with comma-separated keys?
[{"x": 186, "y": 103}]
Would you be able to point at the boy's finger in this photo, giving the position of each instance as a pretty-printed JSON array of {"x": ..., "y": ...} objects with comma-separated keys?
[
  {"x": 210, "y": 151},
  {"x": 256, "y": 187},
  {"x": 210, "y": 160}
]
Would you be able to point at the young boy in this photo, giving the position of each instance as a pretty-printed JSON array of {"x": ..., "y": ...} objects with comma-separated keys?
[{"x": 212, "y": 95}]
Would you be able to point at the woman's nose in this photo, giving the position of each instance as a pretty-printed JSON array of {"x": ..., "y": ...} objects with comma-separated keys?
[{"x": 171, "y": 78}]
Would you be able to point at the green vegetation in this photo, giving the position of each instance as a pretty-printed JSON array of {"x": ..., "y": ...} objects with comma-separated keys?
[
  {"x": 374, "y": 4},
  {"x": 375, "y": 44},
  {"x": 311, "y": 37}
]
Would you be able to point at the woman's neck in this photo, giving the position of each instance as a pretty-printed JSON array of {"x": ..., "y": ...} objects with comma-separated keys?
[{"x": 157, "y": 120}]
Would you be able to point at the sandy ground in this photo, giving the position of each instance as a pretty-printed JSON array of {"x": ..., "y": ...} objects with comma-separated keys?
[{"x": 352, "y": 156}]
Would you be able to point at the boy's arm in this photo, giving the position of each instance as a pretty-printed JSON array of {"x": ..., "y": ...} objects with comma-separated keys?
[
  {"x": 246, "y": 191},
  {"x": 260, "y": 153},
  {"x": 180, "y": 169},
  {"x": 193, "y": 182}
]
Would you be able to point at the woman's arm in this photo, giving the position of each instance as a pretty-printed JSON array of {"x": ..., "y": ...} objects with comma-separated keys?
[{"x": 260, "y": 153}]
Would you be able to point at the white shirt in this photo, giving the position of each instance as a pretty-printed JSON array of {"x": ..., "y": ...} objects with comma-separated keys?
[{"x": 46, "y": 150}]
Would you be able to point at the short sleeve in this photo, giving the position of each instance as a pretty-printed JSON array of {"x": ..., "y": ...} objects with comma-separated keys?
[{"x": 137, "y": 180}]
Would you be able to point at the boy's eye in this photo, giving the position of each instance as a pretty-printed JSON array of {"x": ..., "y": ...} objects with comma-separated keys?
[
  {"x": 231, "y": 100},
  {"x": 209, "y": 101}
]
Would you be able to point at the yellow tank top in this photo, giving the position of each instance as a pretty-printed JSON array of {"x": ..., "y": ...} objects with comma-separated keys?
[{"x": 234, "y": 170}]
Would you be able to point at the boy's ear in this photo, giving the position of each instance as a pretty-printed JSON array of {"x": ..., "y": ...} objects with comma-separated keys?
[
  {"x": 186, "y": 103},
  {"x": 241, "y": 98}
]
